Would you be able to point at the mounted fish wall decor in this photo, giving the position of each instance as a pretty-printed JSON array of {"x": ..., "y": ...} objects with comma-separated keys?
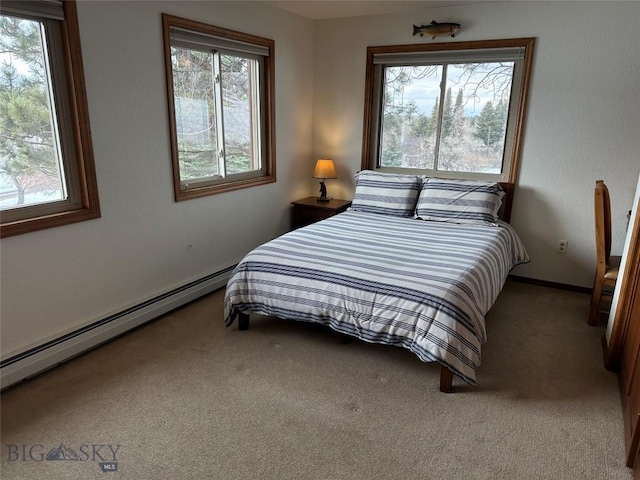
[{"x": 435, "y": 29}]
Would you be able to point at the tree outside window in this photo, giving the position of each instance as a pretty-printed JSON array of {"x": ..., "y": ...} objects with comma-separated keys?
[
  {"x": 47, "y": 174},
  {"x": 29, "y": 156},
  {"x": 220, "y": 85},
  {"x": 453, "y": 110}
]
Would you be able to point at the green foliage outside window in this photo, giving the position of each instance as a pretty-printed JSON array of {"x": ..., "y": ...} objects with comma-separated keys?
[
  {"x": 197, "y": 113},
  {"x": 464, "y": 140},
  {"x": 28, "y": 159}
]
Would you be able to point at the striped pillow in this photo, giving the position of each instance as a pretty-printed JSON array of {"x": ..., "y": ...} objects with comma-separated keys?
[
  {"x": 386, "y": 193},
  {"x": 459, "y": 201}
]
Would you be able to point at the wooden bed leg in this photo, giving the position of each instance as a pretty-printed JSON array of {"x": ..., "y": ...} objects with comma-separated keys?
[
  {"x": 243, "y": 321},
  {"x": 446, "y": 379}
]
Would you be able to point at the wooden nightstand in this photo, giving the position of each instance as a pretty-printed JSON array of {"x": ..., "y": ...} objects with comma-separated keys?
[{"x": 309, "y": 210}]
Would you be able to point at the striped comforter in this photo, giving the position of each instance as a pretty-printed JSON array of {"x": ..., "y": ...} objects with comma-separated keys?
[{"x": 425, "y": 286}]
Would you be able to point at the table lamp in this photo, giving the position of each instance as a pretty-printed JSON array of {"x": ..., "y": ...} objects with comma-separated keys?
[{"x": 324, "y": 169}]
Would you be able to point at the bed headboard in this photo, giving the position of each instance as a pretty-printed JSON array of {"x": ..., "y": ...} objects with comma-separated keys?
[{"x": 507, "y": 201}]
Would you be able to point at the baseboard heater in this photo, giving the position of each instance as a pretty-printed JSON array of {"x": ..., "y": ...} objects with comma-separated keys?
[{"x": 65, "y": 347}]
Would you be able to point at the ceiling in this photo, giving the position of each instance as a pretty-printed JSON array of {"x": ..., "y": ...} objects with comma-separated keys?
[{"x": 321, "y": 9}]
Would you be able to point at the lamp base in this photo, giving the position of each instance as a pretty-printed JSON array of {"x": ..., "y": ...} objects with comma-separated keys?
[{"x": 323, "y": 199}]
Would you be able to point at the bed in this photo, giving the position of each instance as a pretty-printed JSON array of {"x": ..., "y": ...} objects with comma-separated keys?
[{"x": 423, "y": 285}]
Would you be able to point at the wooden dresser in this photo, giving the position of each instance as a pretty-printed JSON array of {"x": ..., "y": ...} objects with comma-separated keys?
[
  {"x": 622, "y": 353},
  {"x": 629, "y": 376}
]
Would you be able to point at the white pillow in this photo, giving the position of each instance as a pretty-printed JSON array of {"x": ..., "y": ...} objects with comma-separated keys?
[
  {"x": 459, "y": 201},
  {"x": 385, "y": 193}
]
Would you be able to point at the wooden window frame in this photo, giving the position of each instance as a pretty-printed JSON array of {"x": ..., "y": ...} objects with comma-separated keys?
[
  {"x": 85, "y": 184},
  {"x": 234, "y": 182},
  {"x": 369, "y": 123}
]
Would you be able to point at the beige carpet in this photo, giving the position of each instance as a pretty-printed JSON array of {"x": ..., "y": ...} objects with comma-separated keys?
[{"x": 186, "y": 398}]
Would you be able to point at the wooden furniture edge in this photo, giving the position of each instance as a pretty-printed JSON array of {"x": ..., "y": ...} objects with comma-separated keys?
[
  {"x": 629, "y": 286},
  {"x": 243, "y": 321},
  {"x": 446, "y": 379},
  {"x": 507, "y": 201}
]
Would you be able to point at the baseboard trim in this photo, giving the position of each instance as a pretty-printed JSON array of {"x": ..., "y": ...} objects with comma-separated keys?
[
  {"x": 545, "y": 283},
  {"x": 43, "y": 357}
]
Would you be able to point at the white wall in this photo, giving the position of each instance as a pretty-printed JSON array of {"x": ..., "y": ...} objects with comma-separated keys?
[
  {"x": 60, "y": 279},
  {"x": 582, "y": 124}
]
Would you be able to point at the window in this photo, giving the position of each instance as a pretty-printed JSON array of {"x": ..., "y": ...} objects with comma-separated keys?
[
  {"x": 220, "y": 93},
  {"x": 450, "y": 110},
  {"x": 47, "y": 174}
]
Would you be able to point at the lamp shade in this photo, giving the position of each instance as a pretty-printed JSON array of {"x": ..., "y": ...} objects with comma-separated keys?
[{"x": 324, "y": 169}]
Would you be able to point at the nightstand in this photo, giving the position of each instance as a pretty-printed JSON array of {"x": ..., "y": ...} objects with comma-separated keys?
[{"x": 309, "y": 210}]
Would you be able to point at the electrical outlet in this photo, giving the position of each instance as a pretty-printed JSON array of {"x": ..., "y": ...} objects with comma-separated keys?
[{"x": 562, "y": 246}]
